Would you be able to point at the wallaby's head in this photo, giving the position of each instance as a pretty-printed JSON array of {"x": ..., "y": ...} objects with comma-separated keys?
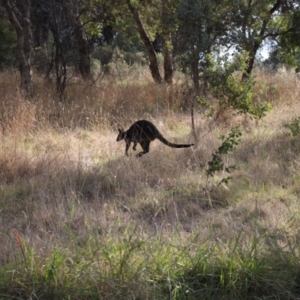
[{"x": 121, "y": 135}]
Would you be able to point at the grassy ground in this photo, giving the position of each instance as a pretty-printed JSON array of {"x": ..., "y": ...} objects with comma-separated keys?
[{"x": 79, "y": 220}]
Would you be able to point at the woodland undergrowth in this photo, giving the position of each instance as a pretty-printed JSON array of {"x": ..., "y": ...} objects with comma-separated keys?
[{"x": 80, "y": 220}]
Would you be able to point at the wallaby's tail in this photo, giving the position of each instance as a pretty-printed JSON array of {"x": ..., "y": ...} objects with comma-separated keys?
[{"x": 163, "y": 140}]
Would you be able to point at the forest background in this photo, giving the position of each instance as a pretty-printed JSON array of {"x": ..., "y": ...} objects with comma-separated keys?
[{"x": 79, "y": 220}]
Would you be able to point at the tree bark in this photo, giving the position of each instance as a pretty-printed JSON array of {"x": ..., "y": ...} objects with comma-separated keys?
[
  {"x": 20, "y": 19},
  {"x": 168, "y": 62},
  {"x": 71, "y": 7},
  {"x": 166, "y": 41},
  {"x": 149, "y": 47}
]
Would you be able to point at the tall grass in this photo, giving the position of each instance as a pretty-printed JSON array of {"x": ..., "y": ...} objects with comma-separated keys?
[{"x": 79, "y": 220}]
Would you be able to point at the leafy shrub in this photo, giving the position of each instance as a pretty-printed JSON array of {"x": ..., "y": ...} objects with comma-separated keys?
[
  {"x": 230, "y": 90},
  {"x": 217, "y": 164},
  {"x": 294, "y": 126}
]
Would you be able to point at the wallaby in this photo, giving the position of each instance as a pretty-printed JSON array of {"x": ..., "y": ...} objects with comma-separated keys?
[{"x": 144, "y": 132}]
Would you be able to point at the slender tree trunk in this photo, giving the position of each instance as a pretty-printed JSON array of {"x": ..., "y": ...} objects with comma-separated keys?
[
  {"x": 59, "y": 62},
  {"x": 195, "y": 74},
  {"x": 20, "y": 19},
  {"x": 149, "y": 47},
  {"x": 250, "y": 62},
  {"x": 168, "y": 61},
  {"x": 166, "y": 41},
  {"x": 71, "y": 7}
]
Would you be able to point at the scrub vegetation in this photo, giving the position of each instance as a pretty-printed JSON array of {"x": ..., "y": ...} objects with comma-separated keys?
[{"x": 80, "y": 220}]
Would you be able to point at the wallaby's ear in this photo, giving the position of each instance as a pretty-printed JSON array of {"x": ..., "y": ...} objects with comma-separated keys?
[{"x": 120, "y": 135}]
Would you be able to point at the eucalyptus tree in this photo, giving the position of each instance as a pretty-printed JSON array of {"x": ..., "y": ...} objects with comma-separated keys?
[
  {"x": 72, "y": 11},
  {"x": 156, "y": 18},
  {"x": 58, "y": 23},
  {"x": 201, "y": 30},
  {"x": 19, "y": 15},
  {"x": 147, "y": 21},
  {"x": 135, "y": 10},
  {"x": 62, "y": 18},
  {"x": 255, "y": 21},
  {"x": 203, "y": 27}
]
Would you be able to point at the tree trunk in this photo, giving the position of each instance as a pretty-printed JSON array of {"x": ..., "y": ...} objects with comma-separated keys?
[
  {"x": 71, "y": 7},
  {"x": 149, "y": 47},
  {"x": 250, "y": 62},
  {"x": 59, "y": 61},
  {"x": 20, "y": 19},
  {"x": 195, "y": 74},
  {"x": 166, "y": 41},
  {"x": 168, "y": 61}
]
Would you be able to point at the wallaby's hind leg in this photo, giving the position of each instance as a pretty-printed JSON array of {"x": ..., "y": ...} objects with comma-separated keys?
[{"x": 146, "y": 147}]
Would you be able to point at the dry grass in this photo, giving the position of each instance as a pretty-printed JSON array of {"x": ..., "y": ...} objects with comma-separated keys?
[{"x": 62, "y": 175}]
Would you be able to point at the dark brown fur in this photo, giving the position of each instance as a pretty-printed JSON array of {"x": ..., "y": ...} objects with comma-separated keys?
[{"x": 144, "y": 132}]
